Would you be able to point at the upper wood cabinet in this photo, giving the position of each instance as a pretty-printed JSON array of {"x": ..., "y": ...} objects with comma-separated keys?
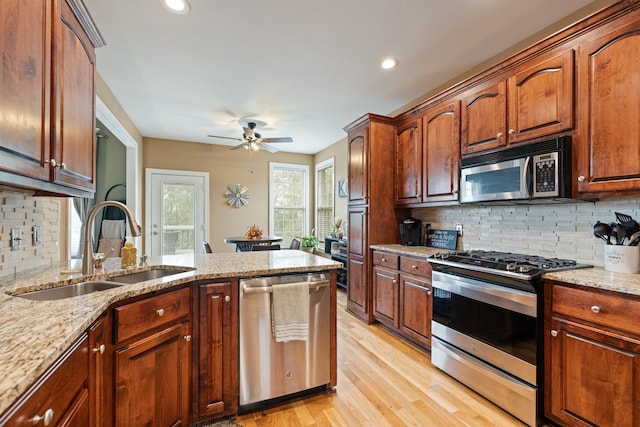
[
  {"x": 48, "y": 80},
  {"x": 608, "y": 148},
  {"x": 535, "y": 100},
  {"x": 358, "y": 165},
  {"x": 408, "y": 151}
]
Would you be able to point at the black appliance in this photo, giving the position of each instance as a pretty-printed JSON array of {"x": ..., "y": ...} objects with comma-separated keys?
[
  {"x": 411, "y": 232},
  {"x": 525, "y": 173},
  {"x": 487, "y": 324}
]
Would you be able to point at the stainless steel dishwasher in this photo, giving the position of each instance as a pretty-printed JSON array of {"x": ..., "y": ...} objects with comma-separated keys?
[{"x": 270, "y": 369}]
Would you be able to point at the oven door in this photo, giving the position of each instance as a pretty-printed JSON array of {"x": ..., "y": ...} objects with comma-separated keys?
[{"x": 506, "y": 180}]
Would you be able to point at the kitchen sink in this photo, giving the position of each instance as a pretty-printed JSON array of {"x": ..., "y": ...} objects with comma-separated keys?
[
  {"x": 143, "y": 276},
  {"x": 68, "y": 291}
]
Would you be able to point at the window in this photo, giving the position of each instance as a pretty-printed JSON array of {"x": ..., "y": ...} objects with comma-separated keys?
[
  {"x": 324, "y": 200},
  {"x": 288, "y": 206}
]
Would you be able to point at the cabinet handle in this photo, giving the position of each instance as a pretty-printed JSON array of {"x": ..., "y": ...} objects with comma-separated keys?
[
  {"x": 227, "y": 298},
  {"x": 46, "y": 418},
  {"x": 581, "y": 178},
  {"x": 99, "y": 349},
  {"x": 499, "y": 135},
  {"x": 160, "y": 312},
  {"x": 187, "y": 338},
  {"x": 554, "y": 333},
  {"x": 595, "y": 309}
]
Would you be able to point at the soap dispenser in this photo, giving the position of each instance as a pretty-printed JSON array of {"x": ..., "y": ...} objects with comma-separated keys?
[{"x": 128, "y": 254}]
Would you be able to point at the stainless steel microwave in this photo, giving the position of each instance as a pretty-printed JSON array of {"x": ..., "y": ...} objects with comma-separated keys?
[{"x": 527, "y": 172}]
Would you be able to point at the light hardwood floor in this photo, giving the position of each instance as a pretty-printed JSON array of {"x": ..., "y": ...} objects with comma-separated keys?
[{"x": 383, "y": 381}]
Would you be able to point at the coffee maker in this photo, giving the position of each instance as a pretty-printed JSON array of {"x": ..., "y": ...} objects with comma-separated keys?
[{"x": 411, "y": 232}]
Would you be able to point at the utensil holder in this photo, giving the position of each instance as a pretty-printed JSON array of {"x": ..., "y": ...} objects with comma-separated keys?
[{"x": 622, "y": 259}]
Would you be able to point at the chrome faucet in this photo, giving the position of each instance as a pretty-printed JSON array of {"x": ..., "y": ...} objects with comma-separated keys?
[{"x": 87, "y": 257}]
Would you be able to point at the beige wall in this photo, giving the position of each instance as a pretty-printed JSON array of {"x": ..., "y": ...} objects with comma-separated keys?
[
  {"x": 225, "y": 167},
  {"x": 339, "y": 152}
]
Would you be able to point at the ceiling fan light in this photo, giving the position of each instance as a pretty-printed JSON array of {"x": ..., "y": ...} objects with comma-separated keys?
[
  {"x": 179, "y": 7},
  {"x": 254, "y": 146}
]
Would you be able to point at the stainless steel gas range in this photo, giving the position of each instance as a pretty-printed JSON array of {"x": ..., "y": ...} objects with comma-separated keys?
[{"x": 487, "y": 323}]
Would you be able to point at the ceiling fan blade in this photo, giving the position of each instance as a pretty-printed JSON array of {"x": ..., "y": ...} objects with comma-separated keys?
[
  {"x": 284, "y": 139},
  {"x": 243, "y": 145},
  {"x": 225, "y": 137},
  {"x": 268, "y": 148},
  {"x": 248, "y": 133}
]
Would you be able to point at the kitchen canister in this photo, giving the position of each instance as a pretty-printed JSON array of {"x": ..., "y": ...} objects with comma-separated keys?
[{"x": 622, "y": 259}]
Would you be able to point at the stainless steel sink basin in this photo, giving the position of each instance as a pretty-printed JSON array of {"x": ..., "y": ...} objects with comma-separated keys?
[
  {"x": 69, "y": 291},
  {"x": 143, "y": 276}
]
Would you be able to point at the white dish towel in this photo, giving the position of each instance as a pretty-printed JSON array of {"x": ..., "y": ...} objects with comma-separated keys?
[{"x": 290, "y": 311}]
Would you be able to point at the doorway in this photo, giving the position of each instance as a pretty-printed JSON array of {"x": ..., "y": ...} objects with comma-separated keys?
[{"x": 176, "y": 221}]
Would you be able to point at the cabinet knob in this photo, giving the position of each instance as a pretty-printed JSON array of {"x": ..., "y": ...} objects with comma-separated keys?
[
  {"x": 99, "y": 349},
  {"x": 46, "y": 418},
  {"x": 160, "y": 312},
  {"x": 429, "y": 292},
  {"x": 499, "y": 135},
  {"x": 187, "y": 338},
  {"x": 595, "y": 309},
  {"x": 511, "y": 131},
  {"x": 52, "y": 162},
  {"x": 554, "y": 333},
  {"x": 227, "y": 298},
  {"x": 383, "y": 259},
  {"x": 394, "y": 281},
  {"x": 581, "y": 178},
  {"x": 414, "y": 266}
]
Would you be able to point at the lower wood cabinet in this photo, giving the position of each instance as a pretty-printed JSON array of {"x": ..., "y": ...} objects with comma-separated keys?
[
  {"x": 100, "y": 371},
  {"x": 592, "y": 357},
  {"x": 152, "y": 360},
  {"x": 60, "y": 397},
  {"x": 402, "y": 295},
  {"x": 215, "y": 368}
]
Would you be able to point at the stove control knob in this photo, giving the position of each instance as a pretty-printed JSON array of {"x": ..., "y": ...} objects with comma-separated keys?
[
  {"x": 511, "y": 266},
  {"x": 444, "y": 255},
  {"x": 524, "y": 269}
]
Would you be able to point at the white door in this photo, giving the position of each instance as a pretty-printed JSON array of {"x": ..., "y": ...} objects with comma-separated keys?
[{"x": 176, "y": 220}]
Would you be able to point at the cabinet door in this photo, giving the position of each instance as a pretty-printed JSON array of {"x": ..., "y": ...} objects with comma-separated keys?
[
  {"x": 484, "y": 118},
  {"x": 25, "y": 85},
  {"x": 152, "y": 379},
  {"x": 408, "y": 173},
  {"x": 385, "y": 296},
  {"x": 358, "y": 164},
  {"x": 540, "y": 99},
  {"x": 415, "y": 314},
  {"x": 216, "y": 368},
  {"x": 100, "y": 384},
  {"x": 74, "y": 104},
  {"x": 357, "y": 241},
  {"x": 594, "y": 377},
  {"x": 441, "y": 172},
  {"x": 609, "y": 111},
  {"x": 358, "y": 294}
]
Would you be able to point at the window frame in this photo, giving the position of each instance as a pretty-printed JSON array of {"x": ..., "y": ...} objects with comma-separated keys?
[
  {"x": 329, "y": 163},
  {"x": 307, "y": 211}
]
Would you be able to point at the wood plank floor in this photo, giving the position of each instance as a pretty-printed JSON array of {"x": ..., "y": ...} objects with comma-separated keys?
[{"x": 383, "y": 381}]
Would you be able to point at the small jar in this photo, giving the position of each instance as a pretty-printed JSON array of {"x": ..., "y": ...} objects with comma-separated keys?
[{"x": 128, "y": 254}]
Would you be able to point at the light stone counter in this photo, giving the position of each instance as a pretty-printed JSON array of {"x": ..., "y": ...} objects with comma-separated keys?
[
  {"x": 421, "y": 251},
  {"x": 33, "y": 334}
]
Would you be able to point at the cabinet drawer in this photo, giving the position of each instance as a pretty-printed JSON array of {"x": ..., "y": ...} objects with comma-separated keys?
[
  {"x": 607, "y": 309},
  {"x": 138, "y": 317},
  {"x": 385, "y": 259},
  {"x": 415, "y": 266}
]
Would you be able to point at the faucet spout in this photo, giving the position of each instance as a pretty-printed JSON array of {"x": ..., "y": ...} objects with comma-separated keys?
[{"x": 87, "y": 257}]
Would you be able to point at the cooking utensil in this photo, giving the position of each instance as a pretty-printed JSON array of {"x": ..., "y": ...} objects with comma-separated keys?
[
  {"x": 626, "y": 219},
  {"x": 602, "y": 231},
  {"x": 613, "y": 234},
  {"x": 634, "y": 240}
]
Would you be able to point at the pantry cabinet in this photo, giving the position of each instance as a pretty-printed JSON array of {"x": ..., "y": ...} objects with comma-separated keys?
[
  {"x": 608, "y": 148},
  {"x": 215, "y": 368},
  {"x": 592, "y": 357},
  {"x": 47, "y": 116}
]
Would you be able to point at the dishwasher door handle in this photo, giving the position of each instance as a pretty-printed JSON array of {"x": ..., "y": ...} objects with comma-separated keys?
[{"x": 268, "y": 289}]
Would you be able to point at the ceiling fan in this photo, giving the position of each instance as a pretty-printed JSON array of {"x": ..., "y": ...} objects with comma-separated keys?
[{"x": 253, "y": 141}]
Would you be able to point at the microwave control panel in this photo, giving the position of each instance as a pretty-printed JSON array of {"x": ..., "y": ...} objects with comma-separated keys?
[{"x": 545, "y": 175}]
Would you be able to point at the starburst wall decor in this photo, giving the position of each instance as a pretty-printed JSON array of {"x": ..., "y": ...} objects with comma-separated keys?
[{"x": 238, "y": 195}]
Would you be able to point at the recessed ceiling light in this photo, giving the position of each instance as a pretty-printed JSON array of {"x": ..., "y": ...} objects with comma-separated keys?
[
  {"x": 177, "y": 6},
  {"x": 389, "y": 63}
]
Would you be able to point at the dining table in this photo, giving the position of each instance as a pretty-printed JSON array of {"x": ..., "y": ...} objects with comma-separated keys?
[{"x": 245, "y": 244}]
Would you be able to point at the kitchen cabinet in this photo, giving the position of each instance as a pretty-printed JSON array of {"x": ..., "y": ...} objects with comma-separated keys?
[
  {"x": 152, "y": 360},
  {"x": 215, "y": 375},
  {"x": 100, "y": 371},
  {"x": 409, "y": 165},
  {"x": 609, "y": 109},
  {"x": 533, "y": 100},
  {"x": 60, "y": 397},
  {"x": 47, "y": 116},
  {"x": 402, "y": 295},
  {"x": 592, "y": 357}
]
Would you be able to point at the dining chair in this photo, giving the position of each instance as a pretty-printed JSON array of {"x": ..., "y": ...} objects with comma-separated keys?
[
  {"x": 295, "y": 244},
  {"x": 265, "y": 248},
  {"x": 207, "y": 248}
]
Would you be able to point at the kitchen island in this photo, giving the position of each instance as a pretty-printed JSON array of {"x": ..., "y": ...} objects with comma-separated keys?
[{"x": 34, "y": 334}]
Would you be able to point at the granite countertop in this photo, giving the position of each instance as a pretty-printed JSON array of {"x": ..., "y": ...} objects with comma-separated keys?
[
  {"x": 596, "y": 277},
  {"x": 33, "y": 334}
]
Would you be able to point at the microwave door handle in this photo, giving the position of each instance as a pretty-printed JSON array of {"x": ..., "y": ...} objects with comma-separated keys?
[{"x": 527, "y": 172}]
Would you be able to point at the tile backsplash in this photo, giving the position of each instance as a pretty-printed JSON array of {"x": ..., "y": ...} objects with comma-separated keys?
[
  {"x": 554, "y": 230},
  {"x": 21, "y": 209}
]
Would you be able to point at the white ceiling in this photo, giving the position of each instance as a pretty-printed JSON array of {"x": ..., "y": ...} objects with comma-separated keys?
[{"x": 299, "y": 68}]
